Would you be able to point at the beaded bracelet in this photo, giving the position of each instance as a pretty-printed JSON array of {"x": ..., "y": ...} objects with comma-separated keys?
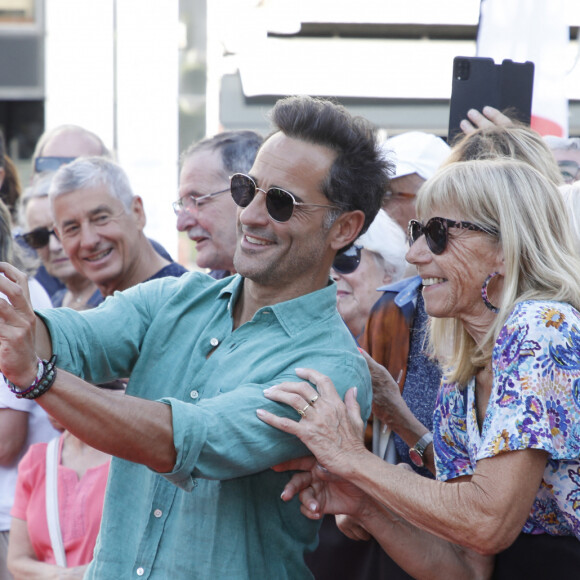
[{"x": 45, "y": 378}]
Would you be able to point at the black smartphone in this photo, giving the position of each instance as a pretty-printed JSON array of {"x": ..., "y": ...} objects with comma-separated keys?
[{"x": 478, "y": 82}]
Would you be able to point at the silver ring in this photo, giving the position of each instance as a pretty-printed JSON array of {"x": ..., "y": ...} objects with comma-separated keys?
[
  {"x": 302, "y": 412},
  {"x": 314, "y": 399}
]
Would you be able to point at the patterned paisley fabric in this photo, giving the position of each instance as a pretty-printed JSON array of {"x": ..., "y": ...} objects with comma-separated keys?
[{"x": 535, "y": 403}]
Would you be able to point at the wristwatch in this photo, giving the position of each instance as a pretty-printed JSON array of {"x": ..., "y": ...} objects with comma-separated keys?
[{"x": 416, "y": 452}]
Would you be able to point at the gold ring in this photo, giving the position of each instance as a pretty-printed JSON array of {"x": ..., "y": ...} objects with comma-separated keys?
[
  {"x": 302, "y": 412},
  {"x": 314, "y": 399}
]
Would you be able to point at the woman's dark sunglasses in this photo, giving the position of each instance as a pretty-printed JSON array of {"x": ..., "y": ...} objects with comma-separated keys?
[
  {"x": 436, "y": 232},
  {"x": 279, "y": 202},
  {"x": 347, "y": 262},
  {"x": 38, "y": 238}
]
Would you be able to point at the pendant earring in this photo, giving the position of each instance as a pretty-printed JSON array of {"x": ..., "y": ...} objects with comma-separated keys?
[{"x": 484, "y": 295}]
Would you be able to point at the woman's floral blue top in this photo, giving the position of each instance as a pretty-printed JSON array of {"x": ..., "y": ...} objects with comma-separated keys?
[{"x": 535, "y": 403}]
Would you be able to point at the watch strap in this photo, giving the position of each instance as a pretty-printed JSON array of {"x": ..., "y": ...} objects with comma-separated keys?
[
  {"x": 416, "y": 452},
  {"x": 422, "y": 444}
]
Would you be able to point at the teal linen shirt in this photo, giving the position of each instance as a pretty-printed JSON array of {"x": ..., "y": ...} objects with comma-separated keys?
[{"x": 218, "y": 514}]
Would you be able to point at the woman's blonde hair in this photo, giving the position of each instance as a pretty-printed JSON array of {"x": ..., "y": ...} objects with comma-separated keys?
[
  {"x": 515, "y": 141},
  {"x": 540, "y": 259},
  {"x": 571, "y": 195}
]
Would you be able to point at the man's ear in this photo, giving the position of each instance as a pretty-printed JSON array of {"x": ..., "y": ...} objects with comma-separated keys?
[
  {"x": 138, "y": 212},
  {"x": 346, "y": 228}
]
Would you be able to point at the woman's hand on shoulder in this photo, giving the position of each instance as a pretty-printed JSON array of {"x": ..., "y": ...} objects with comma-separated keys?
[{"x": 330, "y": 428}]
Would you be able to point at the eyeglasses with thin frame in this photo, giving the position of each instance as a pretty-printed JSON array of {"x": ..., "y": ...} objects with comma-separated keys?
[
  {"x": 348, "y": 261},
  {"x": 38, "y": 237},
  {"x": 280, "y": 203},
  {"x": 188, "y": 203},
  {"x": 436, "y": 232},
  {"x": 570, "y": 170}
]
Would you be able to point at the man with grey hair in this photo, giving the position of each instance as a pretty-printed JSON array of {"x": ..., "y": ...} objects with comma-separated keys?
[
  {"x": 205, "y": 210},
  {"x": 567, "y": 154},
  {"x": 59, "y": 146},
  {"x": 100, "y": 224}
]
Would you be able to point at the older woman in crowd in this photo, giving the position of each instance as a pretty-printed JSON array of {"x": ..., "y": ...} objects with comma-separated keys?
[
  {"x": 376, "y": 258},
  {"x": 79, "y": 292},
  {"x": 501, "y": 281}
]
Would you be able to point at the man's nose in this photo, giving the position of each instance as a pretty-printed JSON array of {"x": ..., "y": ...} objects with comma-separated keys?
[
  {"x": 89, "y": 235},
  {"x": 255, "y": 213},
  {"x": 186, "y": 219}
]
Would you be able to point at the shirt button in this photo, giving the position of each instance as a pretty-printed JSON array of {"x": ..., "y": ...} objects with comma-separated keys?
[
  {"x": 214, "y": 341},
  {"x": 140, "y": 571},
  {"x": 194, "y": 395},
  {"x": 157, "y": 513}
]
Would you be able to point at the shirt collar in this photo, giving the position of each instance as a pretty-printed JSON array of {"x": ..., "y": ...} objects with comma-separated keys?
[
  {"x": 293, "y": 315},
  {"x": 232, "y": 290},
  {"x": 406, "y": 289}
]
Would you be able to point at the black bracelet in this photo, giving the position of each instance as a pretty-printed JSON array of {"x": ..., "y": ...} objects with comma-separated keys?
[{"x": 46, "y": 381}]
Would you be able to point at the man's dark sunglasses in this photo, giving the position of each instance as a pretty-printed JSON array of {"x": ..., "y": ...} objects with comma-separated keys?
[
  {"x": 347, "y": 262},
  {"x": 279, "y": 202},
  {"x": 38, "y": 238},
  {"x": 50, "y": 163},
  {"x": 436, "y": 232}
]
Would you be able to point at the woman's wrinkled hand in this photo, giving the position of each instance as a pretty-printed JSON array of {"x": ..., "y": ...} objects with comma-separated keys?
[
  {"x": 330, "y": 428},
  {"x": 320, "y": 491},
  {"x": 387, "y": 399}
]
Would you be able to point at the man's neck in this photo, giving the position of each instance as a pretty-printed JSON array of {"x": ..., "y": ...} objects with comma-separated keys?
[
  {"x": 254, "y": 296},
  {"x": 78, "y": 284}
]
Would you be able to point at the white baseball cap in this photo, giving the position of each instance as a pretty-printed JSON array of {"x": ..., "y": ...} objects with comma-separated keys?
[{"x": 416, "y": 152}]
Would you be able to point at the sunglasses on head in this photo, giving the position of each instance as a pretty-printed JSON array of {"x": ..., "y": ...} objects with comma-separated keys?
[
  {"x": 279, "y": 202},
  {"x": 50, "y": 163},
  {"x": 348, "y": 261},
  {"x": 38, "y": 238},
  {"x": 436, "y": 232}
]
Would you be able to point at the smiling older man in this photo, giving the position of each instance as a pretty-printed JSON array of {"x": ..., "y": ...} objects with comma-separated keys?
[{"x": 100, "y": 222}]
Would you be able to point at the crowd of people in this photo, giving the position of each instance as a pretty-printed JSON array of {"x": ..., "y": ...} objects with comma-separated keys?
[{"x": 377, "y": 377}]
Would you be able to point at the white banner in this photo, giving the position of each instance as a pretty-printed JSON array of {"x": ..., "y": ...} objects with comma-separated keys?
[{"x": 534, "y": 30}]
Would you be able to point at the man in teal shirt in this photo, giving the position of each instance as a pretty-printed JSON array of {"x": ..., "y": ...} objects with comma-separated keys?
[{"x": 190, "y": 493}]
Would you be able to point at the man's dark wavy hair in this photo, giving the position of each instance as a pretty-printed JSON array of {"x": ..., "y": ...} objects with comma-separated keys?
[{"x": 359, "y": 176}]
